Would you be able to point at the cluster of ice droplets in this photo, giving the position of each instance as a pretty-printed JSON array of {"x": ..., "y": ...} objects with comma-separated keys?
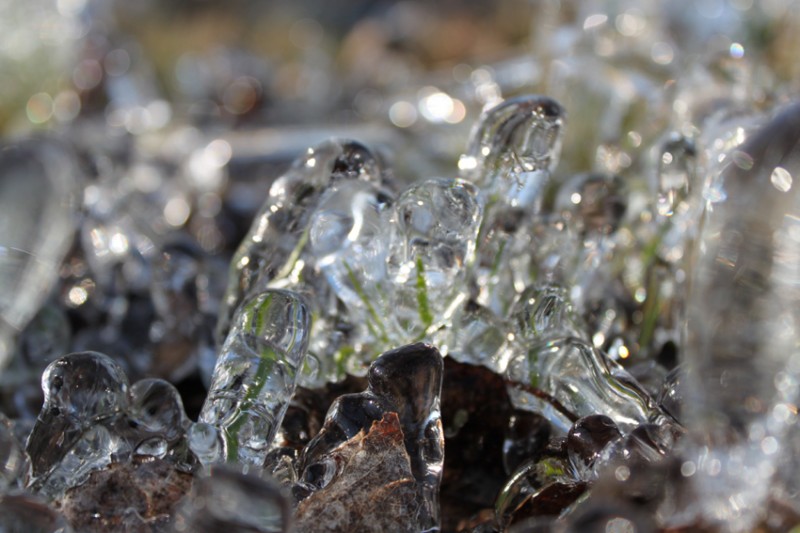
[
  {"x": 450, "y": 261},
  {"x": 377, "y": 271},
  {"x": 92, "y": 418}
]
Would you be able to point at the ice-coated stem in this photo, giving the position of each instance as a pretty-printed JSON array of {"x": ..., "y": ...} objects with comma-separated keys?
[
  {"x": 280, "y": 229},
  {"x": 512, "y": 150},
  {"x": 256, "y": 374},
  {"x": 583, "y": 381}
]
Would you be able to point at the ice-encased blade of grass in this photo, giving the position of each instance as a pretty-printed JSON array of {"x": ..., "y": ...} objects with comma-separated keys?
[{"x": 256, "y": 374}]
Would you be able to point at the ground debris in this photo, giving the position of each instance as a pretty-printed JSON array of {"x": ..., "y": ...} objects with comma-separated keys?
[
  {"x": 376, "y": 490},
  {"x": 132, "y": 497}
]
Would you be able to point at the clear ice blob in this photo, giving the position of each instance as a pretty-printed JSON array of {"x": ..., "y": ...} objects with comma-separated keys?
[
  {"x": 565, "y": 378},
  {"x": 206, "y": 443},
  {"x": 513, "y": 148},
  {"x": 39, "y": 180},
  {"x": 85, "y": 394},
  {"x": 349, "y": 241},
  {"x": 405, "y": 383},
  {"x": 279, "y": 232},
  {"x": 476, "y": 336},
  {"x": 544, "y": 310},
  {"x": 156, "y": 407},
  {"x": 435, "y": 226},
  {"x": 676, "y": 173},
  {"x": 157, "y": 421},
  {"x": 586, "y": 439},
  {"x": 511, "y": 152},
  {"x": 256, "y": 374},
  {"x": 227, "y": 501},
  {"x": 743, "y": 319},
  {"x": 96, "y": 449}
]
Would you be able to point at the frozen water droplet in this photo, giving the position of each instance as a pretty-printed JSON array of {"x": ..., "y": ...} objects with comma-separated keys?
[
  {"x": 154, "y": 446},
  {"x": 320, "y": 474},
  {"x": 517, "y": 137},
  {"x": 279, "y": 231},
  {"x": 348, "y": 239},
  {"x": 38, "y": 189},
  {"x": 586, "y": 439},
  {"x": 229, "y": 501},
  {"x": 676, "y": 174},
  {"x": 514, "y": 147},
  {"x": 510, "y": 155},
  {"x": 544, "y": 311},
  {"x": 476, "y": 336},
  {"x": 95, "y": 449},
  {"x": 205, "y": 442},
  {"x": 156, "y": 408},
  {"x": 256, "y": 373},
  {"x": 435, "y": 227},
  {"x": 437, "y": 221},
  {"x": 84, "y": 386},
  {"x": 82, "y": 392}
]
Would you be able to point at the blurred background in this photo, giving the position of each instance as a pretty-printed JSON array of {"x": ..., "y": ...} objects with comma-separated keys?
[{"x": 402, "y": 67}]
